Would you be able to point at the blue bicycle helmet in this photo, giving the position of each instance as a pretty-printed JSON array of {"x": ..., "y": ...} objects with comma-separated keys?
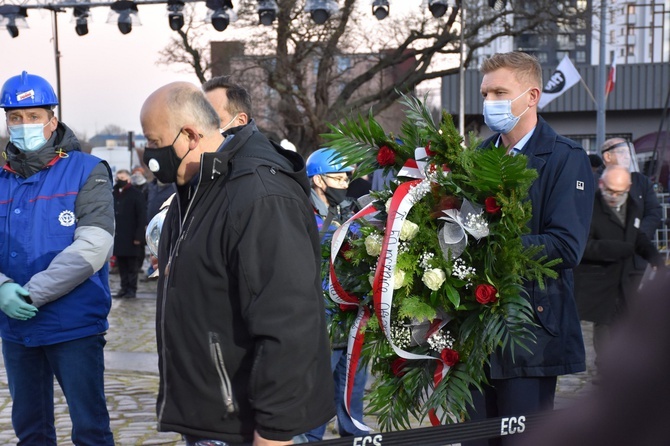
[
  {"x": 321, "y": 161},
  {"x": 27, "y": 91}
]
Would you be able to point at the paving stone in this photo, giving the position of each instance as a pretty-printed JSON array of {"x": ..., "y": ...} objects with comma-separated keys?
[{"x": 131, "y": 378}]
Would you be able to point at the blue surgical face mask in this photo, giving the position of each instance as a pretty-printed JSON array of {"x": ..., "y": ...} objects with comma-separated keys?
[
  {"x": 28, "y": 137},
  {"x": 498, "y": 115}
]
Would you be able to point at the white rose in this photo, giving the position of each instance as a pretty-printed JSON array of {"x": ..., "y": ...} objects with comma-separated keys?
[
  {"x": 388, "y": 204},
  {"x": 408, "y": 230},
  {"x": 398, "y": 279},
  {"x": 433, "y": 278},
  {"x": 373, "y": 245}
]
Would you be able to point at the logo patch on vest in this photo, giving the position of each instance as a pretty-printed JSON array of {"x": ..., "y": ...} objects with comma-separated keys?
[{"x": 66, "y": 218}]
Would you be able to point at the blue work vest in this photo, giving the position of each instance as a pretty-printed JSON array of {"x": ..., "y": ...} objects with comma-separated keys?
[{"x": 37, "y": 221}]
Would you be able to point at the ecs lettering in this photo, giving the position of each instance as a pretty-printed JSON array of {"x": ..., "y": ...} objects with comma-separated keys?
[
  {"x": 512, "y": 425},
  {"x": 368, "y": 440}
]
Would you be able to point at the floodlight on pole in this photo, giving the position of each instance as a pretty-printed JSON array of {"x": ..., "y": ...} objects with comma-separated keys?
[
  {"x": 438, "y": 7},
  {"x": 81, "y": 14},
  {"x": 13, "y": 17},
  {"x": 220, "y": 13},
  {"x": 321, "y": 10},
  {"x": 175, "y": 14},
  {"x": 380, "y": 9},
  {"x": 267, "y": 11},
  {"x": 125, "y": 12}
]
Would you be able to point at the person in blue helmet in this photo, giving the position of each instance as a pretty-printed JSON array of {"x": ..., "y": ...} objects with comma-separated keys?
[
  {"x": 329, "y": 180},
  {"x": 56, "y": 235}
]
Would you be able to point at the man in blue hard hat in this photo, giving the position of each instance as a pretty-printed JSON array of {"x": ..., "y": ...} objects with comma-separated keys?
[
  {"x": 56, "y": 234},
  {"x": 329, "y": 180}
]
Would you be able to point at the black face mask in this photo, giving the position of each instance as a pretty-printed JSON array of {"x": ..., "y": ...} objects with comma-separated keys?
[
  {"x": 335, "y": 196},
  {"x": 120, "y": 184},
  {"x": 163, "y": 162}
]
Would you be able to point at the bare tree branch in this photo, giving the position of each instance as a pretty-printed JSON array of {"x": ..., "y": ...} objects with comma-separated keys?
[{"x": 351, "y": 64}]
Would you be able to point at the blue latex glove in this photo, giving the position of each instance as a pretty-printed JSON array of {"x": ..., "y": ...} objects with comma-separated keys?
[{"x": 12, "y": 304}]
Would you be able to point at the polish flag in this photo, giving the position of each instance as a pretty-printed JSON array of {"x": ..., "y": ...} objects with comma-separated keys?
[{"x": 611, "y": 78}]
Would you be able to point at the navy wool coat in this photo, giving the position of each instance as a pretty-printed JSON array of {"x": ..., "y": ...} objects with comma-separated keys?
[{"x": 562, "y": 203}]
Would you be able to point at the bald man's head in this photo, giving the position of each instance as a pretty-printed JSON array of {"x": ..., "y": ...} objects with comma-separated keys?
[
  {"x": 614, "y": 185},
  {"x": 181, "y": 103},
  {"x": 179, "y": 125}
]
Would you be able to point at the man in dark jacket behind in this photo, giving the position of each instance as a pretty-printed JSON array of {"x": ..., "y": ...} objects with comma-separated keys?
[
  {"x": 130, "y": 210},
  {"x": 619, "y": 152},
  {"x": 605, "y": 281},
  {"x": 242, "y": 342}
]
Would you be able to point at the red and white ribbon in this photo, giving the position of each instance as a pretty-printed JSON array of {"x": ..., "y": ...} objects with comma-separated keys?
[
  {"x": 382, "y": 288},
  {"x": 401, "y": 203},
  {"x": 342, "y": 297}
]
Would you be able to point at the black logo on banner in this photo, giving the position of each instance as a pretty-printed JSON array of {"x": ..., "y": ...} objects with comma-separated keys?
[{"x": 556, "y": 83}]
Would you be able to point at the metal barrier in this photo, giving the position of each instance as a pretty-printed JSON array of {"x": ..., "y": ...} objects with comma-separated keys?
[
  {"x": 662, "y": 238},
  {"x": 444, "y": 435}
]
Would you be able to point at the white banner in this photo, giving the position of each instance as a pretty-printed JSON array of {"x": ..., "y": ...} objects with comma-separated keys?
[{"x": 564, "y": 77}]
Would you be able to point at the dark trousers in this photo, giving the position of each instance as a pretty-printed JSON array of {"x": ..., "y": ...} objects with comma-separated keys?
[
  {"x": 128, "y": 267},
  {"x": 79, "y": 367},
  {"x": 511, "y": 397}
]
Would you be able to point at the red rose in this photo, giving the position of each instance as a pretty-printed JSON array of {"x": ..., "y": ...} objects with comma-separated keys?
[
  {"x": 385, "y": 156},
  {"x": 428, "y": 151},
  {"x": 485, "y": 293},
  {"x": 491, "y": 205},
  {"x": 444, "y": 203},
  {"x": 397, "y": 367},
  {"x": 449, "y": 356},
  {"x": 344, "y": 250}
]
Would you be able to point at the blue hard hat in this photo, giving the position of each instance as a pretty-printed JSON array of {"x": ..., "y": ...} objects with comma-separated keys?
[
  {"x": 322, "y": 161},
  {"x": 26, "y": 91}
]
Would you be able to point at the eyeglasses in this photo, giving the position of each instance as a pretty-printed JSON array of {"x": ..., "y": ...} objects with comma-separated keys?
[
  {"x": 613, "y": 193},
  {"x": 341, "y": 180}
]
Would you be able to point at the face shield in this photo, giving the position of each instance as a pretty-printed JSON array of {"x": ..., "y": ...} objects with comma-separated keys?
[
  {"x": 153, "y": 233},
  {"x": 623, "y": 153}
]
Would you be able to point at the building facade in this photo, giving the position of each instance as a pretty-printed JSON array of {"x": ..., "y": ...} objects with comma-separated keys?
[{"x": 638, "y": 37}]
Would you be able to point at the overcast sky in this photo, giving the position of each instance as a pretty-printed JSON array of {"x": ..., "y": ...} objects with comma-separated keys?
[{"x": 105, "y": 75}]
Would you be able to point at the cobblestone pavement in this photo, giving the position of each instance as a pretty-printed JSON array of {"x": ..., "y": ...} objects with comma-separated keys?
[{"x": 131, "y": 381}]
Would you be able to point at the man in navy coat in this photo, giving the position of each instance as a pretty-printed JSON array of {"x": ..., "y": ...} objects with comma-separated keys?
[{"x": 562, "y": 202}]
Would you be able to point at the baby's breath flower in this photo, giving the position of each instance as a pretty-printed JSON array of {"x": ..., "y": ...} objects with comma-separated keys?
[
  {"x": 401, "y": 336},
  {"x": 424, "y": 260},
  {"x": 420, "y": 190},
  {"x": 440, "y": 340},
  {"x": 463, "y": 272}
]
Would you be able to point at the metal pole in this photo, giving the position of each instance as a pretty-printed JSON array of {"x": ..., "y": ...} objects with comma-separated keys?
[
  {"x": 602, "y": 78},
  {"x": 461, "y": 76},
  {"x": 57, "y": 59},
  {"x": 131, "y": 147}
]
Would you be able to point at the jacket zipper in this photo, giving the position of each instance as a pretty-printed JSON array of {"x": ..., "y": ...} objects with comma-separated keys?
[
  {"x": 173, "y": 254},
  {"x": 219, "y": 363}
]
